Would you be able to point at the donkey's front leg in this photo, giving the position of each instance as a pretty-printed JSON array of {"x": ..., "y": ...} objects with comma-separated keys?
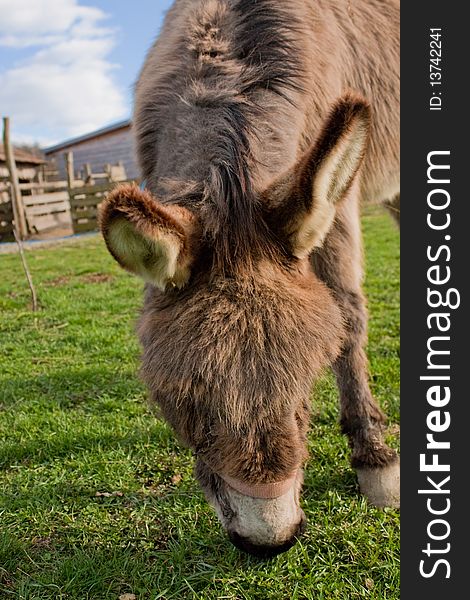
[
  {"x": 339, "y": 264},
  {"x": 377, "y": 466}
]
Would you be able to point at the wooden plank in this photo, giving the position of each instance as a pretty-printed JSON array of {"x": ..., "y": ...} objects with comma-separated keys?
[
  {"x": 85, "y": 214},
  {"x": 92, "y": 189},
  {"x": 77, "y": 198},
  {"x": 88, "y": 174},
  {"x": 87, "y": 226},
  {"x": 46, "y": 185},
  {"x": 26, "y": 173},
  {"x": 47, "y": 209},
  {"x": 46, "y": 198},
  {"x": 23, "y": 172},
  {"x": 69, "y": 170},
  {"x": 86, "y": 201},
  {"x": 45, "y": 222},
  {"x": 118, "y": 173}
]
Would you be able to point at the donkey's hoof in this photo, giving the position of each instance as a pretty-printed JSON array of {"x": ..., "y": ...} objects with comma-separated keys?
[{"x": 381, "y": 485}]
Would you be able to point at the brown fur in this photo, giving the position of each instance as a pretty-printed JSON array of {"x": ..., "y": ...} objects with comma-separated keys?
[
  {"x": 140, "y": 208},
  {"x": 229, "y": 362},
  {"x": 236, "y": 115}
]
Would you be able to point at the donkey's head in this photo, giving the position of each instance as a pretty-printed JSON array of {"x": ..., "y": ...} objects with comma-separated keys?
[{"x": 230, "y": 352}]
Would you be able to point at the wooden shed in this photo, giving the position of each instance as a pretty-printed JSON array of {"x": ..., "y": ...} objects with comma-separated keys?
[
  {"x": 109, "y": 145},
  {"x": 27, "y": 164}
]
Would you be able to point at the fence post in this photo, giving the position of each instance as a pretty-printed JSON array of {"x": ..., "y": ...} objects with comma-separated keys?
[
  {"x": 41, "y": 179},
  {"x": 68, "y": 156},
  {"x": 88, "y": 174},
  {"x": 70, "y": 173},
  {"x": 16, "y": 198}
]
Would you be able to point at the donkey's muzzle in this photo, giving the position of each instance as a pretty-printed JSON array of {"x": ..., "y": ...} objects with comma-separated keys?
[{"x": 267, "y": 551}]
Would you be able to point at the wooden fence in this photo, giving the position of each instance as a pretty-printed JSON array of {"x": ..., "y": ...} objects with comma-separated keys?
[
  {"x": 85, "y": 203},
  {"x": 69, "y": 210},
  {"x": 40, "y": 207},
  {"x": 46, "y": 206},
  {"x": 59, "y": 207}
]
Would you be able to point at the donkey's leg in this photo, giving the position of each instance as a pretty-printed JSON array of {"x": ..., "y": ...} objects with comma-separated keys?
[{"x": 339, "y": 264}]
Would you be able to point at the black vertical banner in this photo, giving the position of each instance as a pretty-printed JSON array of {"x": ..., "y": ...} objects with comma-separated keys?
[{"x": 435, "y": 243}]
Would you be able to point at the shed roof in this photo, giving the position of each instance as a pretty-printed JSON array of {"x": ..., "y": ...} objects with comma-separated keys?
[
  {"x": 87, "y": 136},
  {"x": 22, "y": 156}
]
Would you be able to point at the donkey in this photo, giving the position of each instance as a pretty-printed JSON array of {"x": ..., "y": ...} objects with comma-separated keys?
[{"x": 260, "y": 127}]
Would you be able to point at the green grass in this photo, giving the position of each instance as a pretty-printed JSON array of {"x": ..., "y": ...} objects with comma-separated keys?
[{"x": 74, "y": 425}]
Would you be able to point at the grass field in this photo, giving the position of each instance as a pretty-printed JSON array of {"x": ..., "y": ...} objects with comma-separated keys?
[{"x": 97, "y": 499}]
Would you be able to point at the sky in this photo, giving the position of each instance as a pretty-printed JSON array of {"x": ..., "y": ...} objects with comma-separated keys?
[{"x": 67, "y": 67}]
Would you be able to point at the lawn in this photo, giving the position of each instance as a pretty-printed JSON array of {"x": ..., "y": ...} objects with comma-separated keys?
[{"x": 97, "y": 499}]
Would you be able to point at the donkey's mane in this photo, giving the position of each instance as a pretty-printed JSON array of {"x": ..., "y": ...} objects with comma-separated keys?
[{"x": 230, "y": 53}]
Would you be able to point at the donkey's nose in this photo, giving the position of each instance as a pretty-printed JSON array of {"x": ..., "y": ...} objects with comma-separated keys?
[{"x": 268, "y": 550}]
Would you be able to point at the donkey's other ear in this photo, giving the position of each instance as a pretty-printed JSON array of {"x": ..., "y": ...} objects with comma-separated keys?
[
  {"x": 301, "y": 205},
  {"x": 148, "y": 238}
]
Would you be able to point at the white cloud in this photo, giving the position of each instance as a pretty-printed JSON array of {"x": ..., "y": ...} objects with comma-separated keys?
[
  {"x": 27, "y": 21},
  {"x": 65, "y": 86}
]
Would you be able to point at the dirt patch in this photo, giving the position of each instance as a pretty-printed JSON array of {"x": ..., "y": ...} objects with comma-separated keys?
[
  {"x": 96, "y": 278},
  {"x": 89, "y": 278},
  {"x": 42, "y": 543},
  {"x": 58, "y": 281},
  {"x": 108, "y": 494}
]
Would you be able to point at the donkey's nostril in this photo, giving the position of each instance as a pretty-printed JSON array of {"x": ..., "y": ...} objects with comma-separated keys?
[{"x": 267, "y": 550}]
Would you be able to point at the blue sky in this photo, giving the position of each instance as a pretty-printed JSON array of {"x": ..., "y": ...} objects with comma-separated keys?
[{"x": 68, "y": 66}]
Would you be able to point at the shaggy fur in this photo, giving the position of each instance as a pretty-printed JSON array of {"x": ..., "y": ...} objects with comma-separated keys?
[
  {"x": 229, "y": 360},
  {"x": 252, "y": 166},
  {"x": 154, "y": 241}
]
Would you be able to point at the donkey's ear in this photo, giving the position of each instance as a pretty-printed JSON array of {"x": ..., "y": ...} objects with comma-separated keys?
[
  {"x": 148, "y": 238},
  {"x": 301, "y": 205}
]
